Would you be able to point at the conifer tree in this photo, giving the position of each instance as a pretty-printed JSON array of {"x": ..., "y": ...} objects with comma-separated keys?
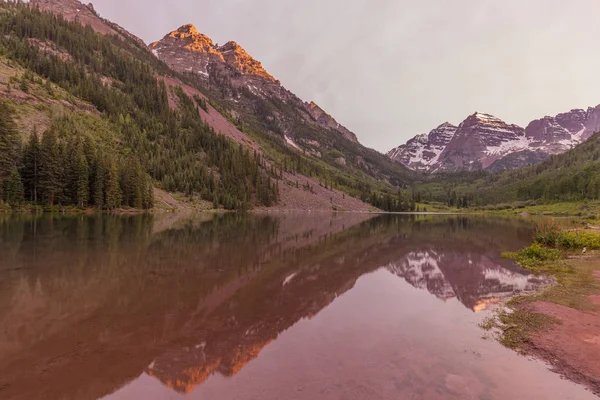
[
  {"x": 113, "y": 190},
  {"x": 82, "y": 174},
  {"x": 13, "y": 187},
  {"x": 100, "y": 173},
  {"x": 50, "y": 168},
  {"x": 9, "y": 142},
  {"x": 31, "y": 171}
]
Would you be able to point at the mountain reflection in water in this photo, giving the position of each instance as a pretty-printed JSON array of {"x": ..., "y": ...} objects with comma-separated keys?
[{"x": 88, "y": 304}]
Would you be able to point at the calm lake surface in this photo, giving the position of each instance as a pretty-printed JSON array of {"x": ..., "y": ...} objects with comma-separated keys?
[{"x": 293, "y": 306}]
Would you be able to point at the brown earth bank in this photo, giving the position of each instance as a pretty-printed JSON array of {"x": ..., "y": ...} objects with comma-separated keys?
[
  {"x": 295, "y": 196},
  {"x": 572, "y": 344}
]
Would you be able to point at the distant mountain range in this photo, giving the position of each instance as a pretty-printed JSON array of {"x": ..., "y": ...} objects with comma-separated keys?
[{"x": 483, "y": 141}]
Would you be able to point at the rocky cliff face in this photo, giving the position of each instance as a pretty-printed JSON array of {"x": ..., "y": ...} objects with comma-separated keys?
[
  {"x": 483, "y": 141},
  {"x": 240, "y": 78},
  {"x": 479, "y": 141},
  {"x": 423, "y": 151}
]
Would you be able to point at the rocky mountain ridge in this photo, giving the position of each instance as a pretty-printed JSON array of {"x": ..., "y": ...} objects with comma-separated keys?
[
  {"x": 483, "y": 141},
  {"x": 231, "y": 68}
]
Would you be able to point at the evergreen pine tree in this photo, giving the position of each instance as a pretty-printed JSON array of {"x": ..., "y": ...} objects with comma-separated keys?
[
  {"x": 100, "y": 174},
  {"x": 9, "y": 143},
  {"x": 113, "y": 190},
  {"x": 50, "y": 168},
  {"x": 13, "y": 187},
  {"x": 82, "y": 173},
  {"x": 31, "y": 169}
]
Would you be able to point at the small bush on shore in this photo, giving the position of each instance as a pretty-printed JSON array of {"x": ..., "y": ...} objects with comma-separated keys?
[
  {"x": 547, "y": 233},
  {"x": 579, "y": 240},
  {"x": 552, "y": 235},
  {"x": 533, "y": 255}
]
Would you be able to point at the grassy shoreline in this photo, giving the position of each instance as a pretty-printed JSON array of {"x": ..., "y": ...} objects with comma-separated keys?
[
  {"x": 583, "y": 211},
  {"x": 571, "y": 259}
]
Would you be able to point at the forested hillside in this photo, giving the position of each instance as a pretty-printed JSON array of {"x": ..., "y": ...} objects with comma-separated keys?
[
  {"x": 141, "y": 140},
  {"x": 88, "y": 121},
  {"x": 574, "y": 175}
]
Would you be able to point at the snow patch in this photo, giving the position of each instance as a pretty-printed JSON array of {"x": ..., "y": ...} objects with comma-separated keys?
[
  {"x": 510, "y": 146},
  {"x": 290, "y": 142}
]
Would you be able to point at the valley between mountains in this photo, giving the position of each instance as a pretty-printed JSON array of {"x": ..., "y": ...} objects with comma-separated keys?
[{"x": 186, "y": 123}]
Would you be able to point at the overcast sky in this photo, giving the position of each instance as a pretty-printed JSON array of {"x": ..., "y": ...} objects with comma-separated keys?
[{"x": 391, "y": 69}]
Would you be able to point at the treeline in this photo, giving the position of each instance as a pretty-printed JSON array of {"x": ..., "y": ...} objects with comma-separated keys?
[
  {"x": 388, "y": 202},
  {"x": 71, "y": 170},
  {"x": 178, "y": 150}
]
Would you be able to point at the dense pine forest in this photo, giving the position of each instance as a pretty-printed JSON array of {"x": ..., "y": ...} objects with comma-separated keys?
[
  {"x": 571, "y": 176},
  {"x": 150, "y": 143}
]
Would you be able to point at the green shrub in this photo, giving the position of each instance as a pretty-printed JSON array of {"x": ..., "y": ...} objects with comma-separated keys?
[
  {"x": 579, "y": 240},
  {"x": 533, "y": 255},
  {"x": 547, "y": 233}
]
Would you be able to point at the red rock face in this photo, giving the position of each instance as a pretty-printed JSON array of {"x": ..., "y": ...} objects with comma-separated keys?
[
  {"x": 479, "y": 141},
  {"x": 237, "y": 57},
  {"x": 483, "y": 141},
  {"x": 592, "y": 123},
  {"x": 187, "y": 50},
  {"x": 546, "y": 130}
]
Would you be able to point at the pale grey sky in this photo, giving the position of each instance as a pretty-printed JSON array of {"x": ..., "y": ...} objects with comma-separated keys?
[{"x": 391, "y": 69}]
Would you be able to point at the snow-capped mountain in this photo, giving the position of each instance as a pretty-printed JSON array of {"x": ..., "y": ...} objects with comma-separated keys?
[
  {"x": 483, "y": 141},
  {"x": 423, "y": 151}
]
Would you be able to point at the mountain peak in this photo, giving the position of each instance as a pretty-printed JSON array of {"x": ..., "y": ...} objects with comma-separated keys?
[
  {"x": 485, "y": 117},
  {"x": 190, "y": 38},
  {"x": 236, "y": 56},
  {"x": 187, "y": 50},
  {"x": 446, "y": 125},
  {"x": 189, "y": 29},
  {"x": 231, "y": 53},
  {"x": 189, "y": 32}
]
